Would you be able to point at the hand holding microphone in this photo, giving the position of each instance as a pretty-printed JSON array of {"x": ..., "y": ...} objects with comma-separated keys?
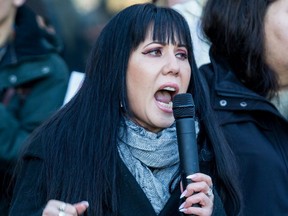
[{"x": 184, "y": 113}]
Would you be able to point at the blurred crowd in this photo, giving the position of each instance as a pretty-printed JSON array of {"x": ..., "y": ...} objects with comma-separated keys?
[
  {"x": 78, "y": 24},
  {"x": 244, "y": 64}
]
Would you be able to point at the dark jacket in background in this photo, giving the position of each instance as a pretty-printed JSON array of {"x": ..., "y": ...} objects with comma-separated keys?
[
  {"x": 258, "y": 135},
  {"x": 33, "y": 82}
]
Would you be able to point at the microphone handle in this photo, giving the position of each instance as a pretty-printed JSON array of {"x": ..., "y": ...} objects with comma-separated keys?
[
  {"x": 188, "y": 151},
  {"x": 187, "y": 145}
]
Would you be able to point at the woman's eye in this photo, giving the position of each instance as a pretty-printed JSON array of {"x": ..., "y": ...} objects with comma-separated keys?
[
  {"x": 154, "y": 52},
  {"x": 182, "y": 55}
]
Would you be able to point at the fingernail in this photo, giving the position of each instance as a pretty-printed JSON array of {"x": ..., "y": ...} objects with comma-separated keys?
[
  {"x": 183, "y": 194},
  {"x": 85, "y": 203},
  {"x": 183, "y": 210},
  {"x": 182, "y": 205},
  {"x": 191, "y": 176}
]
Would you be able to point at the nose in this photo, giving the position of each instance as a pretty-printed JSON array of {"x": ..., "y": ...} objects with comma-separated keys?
[{"x": 172, "y": 65}]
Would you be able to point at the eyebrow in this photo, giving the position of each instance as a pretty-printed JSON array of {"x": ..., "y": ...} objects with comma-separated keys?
[
  {"x": 155, "y": 42},
  {"x": 164, "y": 43}
]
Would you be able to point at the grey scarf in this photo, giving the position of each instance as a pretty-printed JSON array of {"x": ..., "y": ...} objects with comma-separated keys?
[
  {"x": 281, "y": 102},
  {"x": 151, "y": 158}
]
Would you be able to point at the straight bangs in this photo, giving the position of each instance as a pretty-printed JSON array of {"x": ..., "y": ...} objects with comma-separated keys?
[{"x": 167, "y": 26}]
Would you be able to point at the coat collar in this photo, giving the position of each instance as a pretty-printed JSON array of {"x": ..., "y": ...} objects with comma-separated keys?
[
  {"x": 133, "y": 200},
  {"x": 226, "y": 82},
  {"x": 228, "y": 93}
]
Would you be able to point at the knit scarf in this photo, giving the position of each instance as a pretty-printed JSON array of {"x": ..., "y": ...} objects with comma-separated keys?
[
  {"x": 281, "y": 102},
  {"x": 152, "y": 158}
]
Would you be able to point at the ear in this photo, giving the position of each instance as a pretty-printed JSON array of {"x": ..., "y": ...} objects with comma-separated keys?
[{"x": 18, "y": 3}]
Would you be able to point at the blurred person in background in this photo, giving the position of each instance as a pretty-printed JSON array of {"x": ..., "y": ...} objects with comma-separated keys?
[
  {"x": 248, "y": 76},
  {"x": 192, "y": 11},
  {"x": 33, "y": 82},
  {"x": 86, "y": 19}
]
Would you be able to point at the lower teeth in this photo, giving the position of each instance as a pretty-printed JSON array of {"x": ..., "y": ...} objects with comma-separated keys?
[{"x": 169, "y": 105}]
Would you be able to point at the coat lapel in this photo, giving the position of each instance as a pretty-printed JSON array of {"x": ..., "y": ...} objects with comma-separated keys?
[{"x": 133, "y": 201}]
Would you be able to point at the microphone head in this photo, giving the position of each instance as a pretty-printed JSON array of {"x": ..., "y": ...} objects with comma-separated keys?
[{"x": 183, "y": 106}]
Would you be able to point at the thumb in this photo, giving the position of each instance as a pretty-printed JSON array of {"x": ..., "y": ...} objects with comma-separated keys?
[{"x": 81, "y": 207}]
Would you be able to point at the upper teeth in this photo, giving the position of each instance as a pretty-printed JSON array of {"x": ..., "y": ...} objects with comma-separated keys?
[{"x": 169, "y": 88}]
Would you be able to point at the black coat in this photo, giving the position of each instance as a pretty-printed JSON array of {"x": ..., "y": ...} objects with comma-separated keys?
[
  {"x": 258, "y": 135},
  {"x": 30, "y": 193}
]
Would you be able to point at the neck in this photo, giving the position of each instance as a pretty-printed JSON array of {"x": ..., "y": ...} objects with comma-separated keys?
[
  {"x": 284, "y": 88},
  {"x": 6, "y": 27},
  {"x": 283, "y": 80}
]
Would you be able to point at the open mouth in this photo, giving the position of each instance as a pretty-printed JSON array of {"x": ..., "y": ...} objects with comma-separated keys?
[{"x": 165, "y": 96}]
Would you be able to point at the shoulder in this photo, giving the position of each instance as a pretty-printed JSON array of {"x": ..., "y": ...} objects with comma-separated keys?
[
  {"x": 208, "y": 73},
  {"x": 55, "y": 66},
  {"x": 56, "y": 60},
  {"x": 50, "y": 63},
  {"x": 40, "y": 66},
  {"x": 33, "y": 148}
]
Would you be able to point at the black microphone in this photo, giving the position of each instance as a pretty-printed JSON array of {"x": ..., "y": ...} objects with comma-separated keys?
[{"x": 184, "y": 114}]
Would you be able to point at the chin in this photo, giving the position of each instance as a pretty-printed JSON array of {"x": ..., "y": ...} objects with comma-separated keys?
[{"x": 166, "y": 124}]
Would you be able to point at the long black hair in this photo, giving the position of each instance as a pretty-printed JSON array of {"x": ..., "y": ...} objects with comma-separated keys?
[
  {"x": 236, "y": 30},
  {"x": 81, "y": 157}
]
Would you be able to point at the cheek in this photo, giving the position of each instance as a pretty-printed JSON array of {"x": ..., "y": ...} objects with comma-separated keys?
[
  {"x": 131, "y": 76},
  {"x": 136, "y": 71},
  {"x": 276, "y": 40},
  {"x": 186, "y": 78},
  {"x": 283, "y": 34},
  {"x": 277, "y": 36},
  {"x": 276, "y": 27},
  {"x": 135, "y": 87}
]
